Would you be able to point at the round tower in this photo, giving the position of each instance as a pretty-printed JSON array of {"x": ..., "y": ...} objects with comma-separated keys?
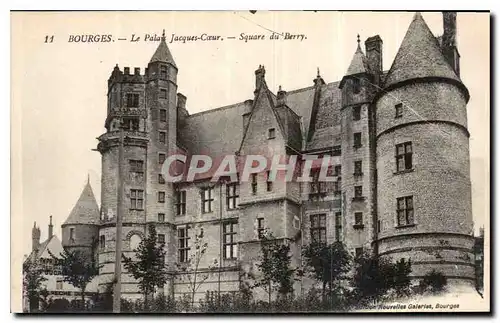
[
  {"x": 423, "y": 174},
  {"x": 144, "y": 107},
  {"x": 80, "y": 230}
]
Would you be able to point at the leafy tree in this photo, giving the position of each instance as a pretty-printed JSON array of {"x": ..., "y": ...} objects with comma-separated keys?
[
  {"x": 32, "y": 282},
  {"x": 191, "y": 268},
  {"x": 148, "y": 267},
  {"x": 329, "y": 263},
  {"x": 401, "y": 278},
  {"x": 372, "y": 278},
  {"x": 375, "y": 276},
  {"x": 435, "y": 281},
  {"x": 275, "y": 266},
  {"x": 76, "y": 269}
]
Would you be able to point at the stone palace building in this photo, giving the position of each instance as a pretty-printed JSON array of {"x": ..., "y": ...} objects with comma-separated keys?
[{"x": 400, "y": 149}]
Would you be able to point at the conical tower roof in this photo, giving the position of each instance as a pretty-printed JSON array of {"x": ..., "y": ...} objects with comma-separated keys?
[
  {"x": 86, "y": 210},
  {"x": 162, "y": 53},
  {"x": 359, "y": 63},
  {"x": 419, "y": 56}
]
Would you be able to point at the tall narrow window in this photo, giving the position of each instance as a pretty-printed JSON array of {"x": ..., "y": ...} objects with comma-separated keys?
[
  {"x": 183, "y": 246},
  {"x": 233, "y": 195},
  {"x": 161, "y": 180},
  {"x": 269, "y": 183},
  {"x": 337, "y": 170},
  {"x": 161, "y": 197},
  {"x": 161, "y": 217},
  {"x": 398, "y": 110},
  {"x": 161, "y": 238},
  {"x": 163, "y": 71},
  {"x": 136, "y": 199},
  {"x": 338, "y": 226},
  {"x": 132, "y": 100},
  {"x": 356, "y": 86},
  {"x": 59, "y": 284},
  {"x": 357, "y": 139},
  {"x": 405, "y": 210},
  {"x": 162, "y": 135},
  {"x": 318, "y": 228},
  {"x": 358, "y": 192},
  {"x": 254, "y": 184},
  {"x": 358, "y": 220},
  {"x": 207, "y": 199},
  {"x": 260, "y": 227},
  {"x": 358, "y": 167},
  {"x": 229, "y": 240},
  {"x": 102, "y": 242},
  {"x": 337, "y": 186},
  {"x": 317, "y": 187},
  {"x": 404, "y": 156},
  {"x": 180, "y": 203},
  {"x": 358, "y": 252},
  {"x": 161, "y": 158},
  {"x": 356, "y": 113},
  {"x": 163, "y": 94},
  {"x": 163, "y": 115}
]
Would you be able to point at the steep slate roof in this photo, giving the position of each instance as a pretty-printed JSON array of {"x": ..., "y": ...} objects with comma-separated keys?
[
  {"x": 220, "y": 131},
  {"x": 52, "y": 243},
  {"x": 359, "y": 64},
  {"x": 162, "y": 53},
  {"x": 86, "y": 210},
  {"x": 419, "y": 56}
]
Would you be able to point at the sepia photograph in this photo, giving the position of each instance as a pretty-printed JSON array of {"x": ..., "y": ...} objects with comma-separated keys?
[{"x": 287, "y": 162}]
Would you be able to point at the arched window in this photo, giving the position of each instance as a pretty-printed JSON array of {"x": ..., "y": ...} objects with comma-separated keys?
[{"x": 135, "y": 239}]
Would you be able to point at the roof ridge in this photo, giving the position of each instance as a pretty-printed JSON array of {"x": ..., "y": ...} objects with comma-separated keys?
[{"x": 216, "y": 109}]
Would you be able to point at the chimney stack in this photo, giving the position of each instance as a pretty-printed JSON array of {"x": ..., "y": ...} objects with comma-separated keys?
[
  {"x": 260, "y": 74},
  {"x": 281, "y": 97},
  {"x": 51, "y": 228},
  {"x": 35, "y": 238},
  {"x": 449, "y": 40},
  {"x": 373, "y": 47}
]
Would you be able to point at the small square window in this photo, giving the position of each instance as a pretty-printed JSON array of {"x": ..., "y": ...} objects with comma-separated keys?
[
  {"x": 271, "y": 134},
  {"x": 399, "y": 110},
  {"x": 358, "y": 252},
  {"x": 163, "y": 94}
]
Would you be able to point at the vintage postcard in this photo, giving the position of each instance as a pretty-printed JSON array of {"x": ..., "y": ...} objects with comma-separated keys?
[{"x": 250, "y": 162}]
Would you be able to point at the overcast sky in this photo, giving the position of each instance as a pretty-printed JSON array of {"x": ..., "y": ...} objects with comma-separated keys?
[{"x": 59, "y": 88}]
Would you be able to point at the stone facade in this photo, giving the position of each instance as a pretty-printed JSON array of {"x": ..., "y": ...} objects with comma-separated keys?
[{"x": 358, "y": 122}]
